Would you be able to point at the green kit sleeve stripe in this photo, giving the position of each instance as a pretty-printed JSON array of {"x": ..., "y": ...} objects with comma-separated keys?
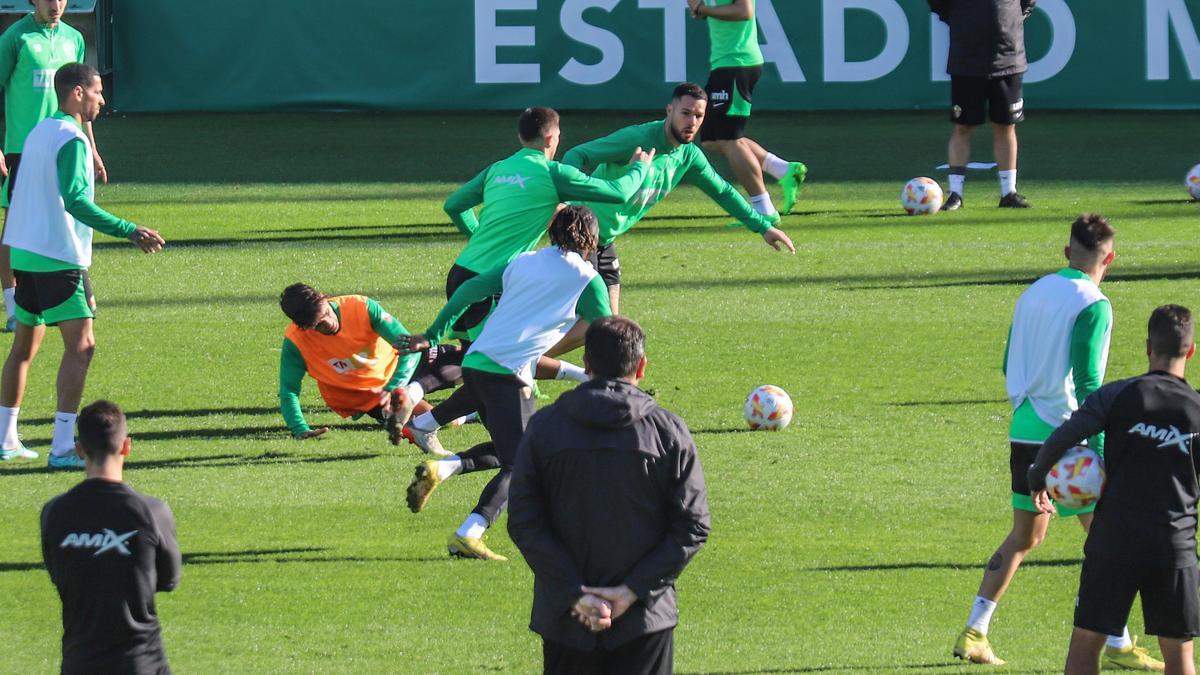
[
  {"x": 593, "y": 304},
  {"x": 291, "y": 374},
  {"x": 72, "y": 185},
  {"x": 479, "y": 288},
  {"x": 390, "y": 329}
]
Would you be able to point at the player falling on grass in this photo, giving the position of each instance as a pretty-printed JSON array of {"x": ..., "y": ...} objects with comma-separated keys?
[
  {"x": 542, "y": 294},
  {"x": 677, "y": 160},
  {"x": 736, "y": 63},
  {"x": 1143, "y": 538},
  {"x": 31, "y": 50},
  {"x": 49, "y": 230},
  {"x": 345, "y": 344},
  {"x": 519, "y": 195},
  {"x": 1056, "y": 355}
]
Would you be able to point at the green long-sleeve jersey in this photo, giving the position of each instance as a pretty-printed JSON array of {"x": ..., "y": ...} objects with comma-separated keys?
[
  {"x": 519, "y": 195},
  {"x": 292, "y": 368},
  {"x": 673, "y": 164},
  {"x": 30, "y": 53},
  {"x": 72, "y": 164}
]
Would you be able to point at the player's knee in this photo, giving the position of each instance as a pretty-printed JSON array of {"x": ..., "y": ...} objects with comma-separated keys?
[
  {"x": 83, "y": 351},
  {"x": 1024, "y": 542}
]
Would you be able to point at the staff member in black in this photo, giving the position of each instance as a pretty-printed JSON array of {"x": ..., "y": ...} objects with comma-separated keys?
[
  {"x": 108, "y": 550},
  {"x": 1143, "y": 536},
  {"x": 607, "y": 491}
]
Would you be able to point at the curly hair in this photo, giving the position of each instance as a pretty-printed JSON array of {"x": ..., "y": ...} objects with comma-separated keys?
[
  {"x": 575, "y": 228},
  {"x": 301, "y": 303}
]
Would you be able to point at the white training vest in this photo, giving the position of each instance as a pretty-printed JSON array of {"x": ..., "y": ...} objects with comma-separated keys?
[
  {"x": 1039, "y": 351},
  {"x": 37, "y": 219},
  {"x": 536, "y": 309}
]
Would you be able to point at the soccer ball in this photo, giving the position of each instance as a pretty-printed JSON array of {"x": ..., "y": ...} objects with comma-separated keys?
[
  {"x": 1077, "y": 479},
  {"x": 768, "y": 408},
  {"x": 921, "y": 196},
  {"x": 1193, "y": 182}
]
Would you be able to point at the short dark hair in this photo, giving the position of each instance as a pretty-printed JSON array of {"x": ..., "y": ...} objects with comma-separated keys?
[
  {"x": 613, "y": 346},
  {"x": 1171, "y": 331},
  {"x": 1091, "y": 230},
  {"x": 536, "y": 122},
  {"x": 73, "y": 75},
  {"x": 301, "y": 303},
  {"x": 575, "y": 228},
  {"x": 689, "y": 89},
  {"x": 102, "y": 429}
]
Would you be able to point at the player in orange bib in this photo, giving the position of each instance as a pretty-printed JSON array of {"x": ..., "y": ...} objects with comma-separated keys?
[{"x": 345, "y": 344}]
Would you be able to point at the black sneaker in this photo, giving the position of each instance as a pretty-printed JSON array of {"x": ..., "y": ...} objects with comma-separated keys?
[
  {"x": 953, "y": 202},
  {"x": 1013, "y": 200}
]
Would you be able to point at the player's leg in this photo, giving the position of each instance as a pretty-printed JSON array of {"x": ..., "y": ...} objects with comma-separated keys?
[
  {"x": 1107, "y": 590},
  {"x": 79, "y": 345},
  {"x": 8, "y": 281},
  {"x": 508, "y": 405},
  {"x": 1006, "y": 108},
  {"x": 1083, "y": 655},
  {"x": 967, "y": 97},
  {"x": 790, "y": 174},
  {"x": 1170, "y": 610},
  {"x": 26, "y": 340},
  {"x": 1178, "y": 655},
  {"x": 730, "y": 91}
]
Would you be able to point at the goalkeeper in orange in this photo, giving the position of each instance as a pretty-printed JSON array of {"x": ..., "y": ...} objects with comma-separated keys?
[{"x": 346, "y": 344}]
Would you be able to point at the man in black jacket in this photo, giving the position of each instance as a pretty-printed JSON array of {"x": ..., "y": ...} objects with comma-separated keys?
[
  {"x": 1143, "y": 537},
  {"x": 108, "y": 550},
  {"x": 608, "y": 505},
  {"x": 986, "y": 66}
]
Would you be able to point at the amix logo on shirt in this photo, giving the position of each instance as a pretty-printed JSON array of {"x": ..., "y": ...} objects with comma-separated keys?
[
  {"x": 103, "y": 542},
  {"x": 1170, "y": 436},
  {"x": 43, "y": 78},
  {"x": 515, "y": 179}
]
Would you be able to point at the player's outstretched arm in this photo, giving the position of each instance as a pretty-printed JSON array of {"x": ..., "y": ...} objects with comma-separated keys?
[
  {"x": 738, "y": 10},
  {"x": 778, "y": 240},
  {"x": 460, "y": 205},
  {"x": 150, "y": 241},
  {"x": 478, "y": 288},
  {"x": 291, "y": 376},
  {"x": 573, "y": 184}
]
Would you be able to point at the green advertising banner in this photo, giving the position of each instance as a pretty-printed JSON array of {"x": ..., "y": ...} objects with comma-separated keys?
[{"x": 620, "y": 54}]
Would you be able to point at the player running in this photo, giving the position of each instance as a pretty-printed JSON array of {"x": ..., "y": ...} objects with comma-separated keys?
[
  {"x": 1055, "y": 357},
  {"x": 677, "y": 160},
  {"x": 1143, "y": 539},
  {"x": 736, "y": 63},
  {"x": 541, "y": 295},
  {"x": 345, "y": 344}
]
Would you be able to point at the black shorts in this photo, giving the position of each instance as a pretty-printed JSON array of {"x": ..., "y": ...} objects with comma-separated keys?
[
  {"x": 652, "y": 654},
  {"x": 12, "y": 159},
  {"x": 730, "y": 91},
  {"x": 1170, "y": 599},
  {"x": 1002, "y": 96},
  {"x": 606, "y": 262},
  {"x": 1020, "y": 458},
  {"x": 477, "y": 312}
]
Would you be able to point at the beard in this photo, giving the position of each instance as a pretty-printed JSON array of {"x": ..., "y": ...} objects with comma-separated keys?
[{"x": 675, "y": 133}]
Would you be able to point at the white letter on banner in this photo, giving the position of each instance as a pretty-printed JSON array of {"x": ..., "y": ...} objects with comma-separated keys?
[
  {"x": 675, "y": 18},
  {"x": 612, "y": 51},
  {"x": 489, "y": 37},
  {"x": 1161, "y": 16},
  {"x": 1062, "y": 41},
  {"x": 895, "y": 47},
  {"x": 775, "y": 47},
  {"x": 939, "y": 49}
]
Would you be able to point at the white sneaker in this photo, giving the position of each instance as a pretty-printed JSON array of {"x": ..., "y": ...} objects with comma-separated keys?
[
  {"x": 427, "y": 441},
  {"x": 20, "y": 452}
]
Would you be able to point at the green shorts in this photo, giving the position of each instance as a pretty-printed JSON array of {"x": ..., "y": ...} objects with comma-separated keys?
[{"x": 53, "y": 297}]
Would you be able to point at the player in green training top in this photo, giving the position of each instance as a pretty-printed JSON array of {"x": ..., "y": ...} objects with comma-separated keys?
[
  {"x": 736, "y": 63},
  {"x": 677, "y": 161},
  {"x": 31, "y": 50}
]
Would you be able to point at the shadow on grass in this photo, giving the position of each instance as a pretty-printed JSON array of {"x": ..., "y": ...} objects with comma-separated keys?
[
  {"x": 1160, "y": 202},
  {"x": 207, "y": 461},
  {"x": 723, "y": 430},
  {"x": 890, "y": 667},
  {"x": 217, "y": 243},
  {"x": 272, "y": 555},
  {"x": 974, "y": 401},
  {"x": 889, "y": 567},
  {"x": 192, "y": 412},
  {"x": 448, "y": 226},
  {"x": 1016, "y": 278}
]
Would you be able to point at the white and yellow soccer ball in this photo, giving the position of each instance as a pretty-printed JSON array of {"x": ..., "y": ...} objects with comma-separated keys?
[
  {"x": 768, "y": 408},
  {"x": 921, "y": 196},
  {"x": 1193, "y": 182},
  {"x": 1077, "y": 479}
]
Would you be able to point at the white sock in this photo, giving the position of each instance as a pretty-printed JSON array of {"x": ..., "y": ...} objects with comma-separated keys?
[
  {"x": 1121, "y": 641},
  {"x": 775, "y": 167},
  {"x": 956, "y": 183},
  {"x": 981, "y": 614},
  {"x": 570, "y": 371},
  {"x": 474, "y": 526},
  {"x": 448, "y": 466},
  {"x": 415, "y": 392},
  {"x": 1008, "y": 182},
  {"x": 762, "y": 204},
  {"x": 425, "y": 422},
  {"x": 10, "y": 301},
  {"x": 63, "y": 442},
  {"x": 8, "y": 426}
]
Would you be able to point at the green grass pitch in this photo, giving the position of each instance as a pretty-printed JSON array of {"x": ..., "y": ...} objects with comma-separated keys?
[{"x": 851, "y": 542}]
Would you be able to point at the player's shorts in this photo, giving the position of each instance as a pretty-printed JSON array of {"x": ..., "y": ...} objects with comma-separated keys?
[
  {"x": 12, "y": 159},
  {"x": 730, "y": 91},
  {"x": 1002, "y": 95},
  {"x": 607, "y": 264},
  {"x": 1021, "y": 457},
  {"x": 477, "y": 312},
  {"x": 53, "y": 297},
  {"x": 1170, "y": 599}
]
